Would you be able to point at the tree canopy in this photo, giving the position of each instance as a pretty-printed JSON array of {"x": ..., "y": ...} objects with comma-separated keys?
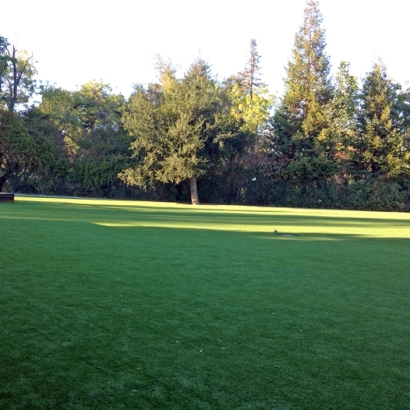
[
  {"x": 329, "y": 141},
  {"x": 181, "y": 128},
  {"x": 302, "y": 117}
]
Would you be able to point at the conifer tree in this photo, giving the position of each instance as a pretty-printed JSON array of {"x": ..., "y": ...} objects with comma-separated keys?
[
  {"x": 402, "y": 110},
  {"x": 301, "y": 119},
  {"x": 342, "y": 133},
  {"x": 250, "y": 78},
  {"x": 381, "y": 146}
]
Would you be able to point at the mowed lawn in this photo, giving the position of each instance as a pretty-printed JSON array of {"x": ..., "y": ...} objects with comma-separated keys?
[{"x": 138, "y": 305}]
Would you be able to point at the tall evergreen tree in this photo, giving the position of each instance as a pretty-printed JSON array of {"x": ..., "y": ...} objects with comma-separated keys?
[
  {"x": 250, "y": 78},
  {"x": 341, "y": 135},
  {"x": 302, "y": 116},
  {"x": 403, "y": 111},
  {"x": 381, "y": 146}
]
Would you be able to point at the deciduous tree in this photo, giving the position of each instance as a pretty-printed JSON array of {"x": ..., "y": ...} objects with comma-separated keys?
[
  {"x": 251, "y": 101},
  {"x": 17, "y": 75},
  {"x": 88, "y": 120},
  {"x": 181, "y": 128},
  {"x": 18, "y": 151}
]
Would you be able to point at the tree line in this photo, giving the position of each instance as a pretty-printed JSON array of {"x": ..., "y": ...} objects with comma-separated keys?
[{"x": 326, "y": 142}]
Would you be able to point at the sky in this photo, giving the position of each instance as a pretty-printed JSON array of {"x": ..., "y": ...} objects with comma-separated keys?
[{"x": 116, "y": 42}]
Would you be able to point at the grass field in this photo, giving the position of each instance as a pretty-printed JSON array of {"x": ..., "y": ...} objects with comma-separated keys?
[{"x": 137, "y": 305}]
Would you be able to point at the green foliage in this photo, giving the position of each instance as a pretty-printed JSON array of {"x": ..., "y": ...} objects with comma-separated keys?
[
  {"x": 329, "y": 142},
  {"x": 88, "y": 121},
  {"x": 17, "y": 76},
  {"x": 251, "y": 110},
  {"x": 30, "y": 153},
  {"x": 83, "y": 116},
  {"x": 3, "y": 64},
  {"x": 308, "y": 85},
  {"x": 52, "y": 164},
  {"x": 249, "y": 80},
  {"x": 302, "y": 118},
  {"x": 341, "y": 133},
  {"x": 251, "y": 101},
  {"x": 380, "y": 148},
  {"x": 18, "y": 151},
  {"x": 181, "y": 128}
]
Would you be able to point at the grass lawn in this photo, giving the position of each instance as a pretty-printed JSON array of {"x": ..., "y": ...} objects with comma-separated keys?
[{"x": 138, "y": 305}]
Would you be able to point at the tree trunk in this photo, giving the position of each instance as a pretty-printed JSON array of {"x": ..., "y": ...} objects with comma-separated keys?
[{"x": 194, "y": 192}]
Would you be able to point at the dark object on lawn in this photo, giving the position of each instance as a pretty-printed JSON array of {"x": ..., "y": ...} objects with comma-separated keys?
[
  {"x": 6, "y": 197},
  {"x": 283, "y": 234}
]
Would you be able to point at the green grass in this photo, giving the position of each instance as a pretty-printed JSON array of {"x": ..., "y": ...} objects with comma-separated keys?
[{"x": 133, "y": 305}]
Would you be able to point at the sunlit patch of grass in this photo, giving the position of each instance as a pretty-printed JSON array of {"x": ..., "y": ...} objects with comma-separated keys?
[{"x": 123, "y": 304}]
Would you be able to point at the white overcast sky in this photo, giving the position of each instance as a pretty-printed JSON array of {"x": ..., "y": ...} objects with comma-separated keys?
[{"x": 114, "y": 41}]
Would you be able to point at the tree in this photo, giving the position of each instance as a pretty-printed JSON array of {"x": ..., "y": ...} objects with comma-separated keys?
[
  {"x": 49, "y": 163},
  {"x": 181, "y": 128},
  {"x": 341, "y": 135},
  {"x": 381, "y": 146},
  {"x": 3, "y": 59},
  {"x": 17, "y": 72},
  {"x": 249, "y": 80},
  {"x": 402, "y": 109},
  {"x": 89, "y": 123},
  {"x": 302, "y": 116},
  {"x": 81, "y": 113},
  {"x": 21, "y": 152},
  {"x": 18, "y": 151},
  {"x": 251, "y": 101}
]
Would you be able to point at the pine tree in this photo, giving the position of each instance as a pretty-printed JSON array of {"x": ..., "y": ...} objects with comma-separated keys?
[
  {"x": 380, "y": 148},
  {"x": 341, "y": 135},
  {"x": 302, "y": 116},
  {"x": 402, "y": 110},
  {"x": 250, "y": 78}
]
